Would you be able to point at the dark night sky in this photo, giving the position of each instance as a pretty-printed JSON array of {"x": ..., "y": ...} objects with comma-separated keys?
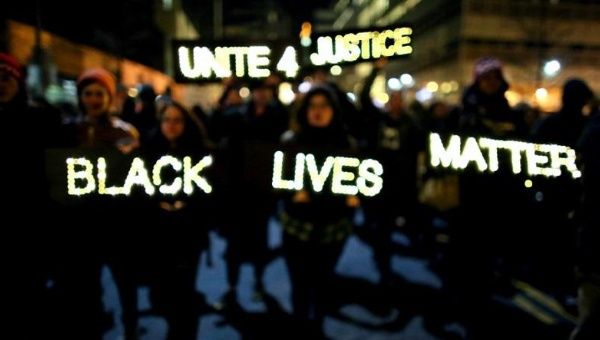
[{"x": 125, "y": 27}]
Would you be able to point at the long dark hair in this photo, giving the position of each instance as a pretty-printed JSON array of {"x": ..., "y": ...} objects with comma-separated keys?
[{"x": 193, "y": 137}]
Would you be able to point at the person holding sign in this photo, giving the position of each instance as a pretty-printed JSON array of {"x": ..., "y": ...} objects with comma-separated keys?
[
  {"x": 561, "y": 195},
  {"x": 395, "y": 138},
  {"x": 177, "y": 228},
  {"x": 108, "y": 222},
  {"x": 486, "y": 241},
  {"x": 316, "y": 223},
  {"x": 588, "y": 264},
  {"x": 27, "y": 245}
]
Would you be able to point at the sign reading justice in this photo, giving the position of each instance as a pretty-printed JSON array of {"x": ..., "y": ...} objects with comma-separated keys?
[{"x": 361, "y": 45}]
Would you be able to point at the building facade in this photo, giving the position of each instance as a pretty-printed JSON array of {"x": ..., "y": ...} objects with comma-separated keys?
[{"x": 450, "y": 35}]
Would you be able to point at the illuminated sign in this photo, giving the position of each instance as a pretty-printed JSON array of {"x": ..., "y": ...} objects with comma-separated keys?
[
  {"x": 541, "y": 159},
  {"x": 342, "y": 170},
  {"x": 196, "y": 62},
  {"x": 81, "y": 179},
  {"x": 357, "y": 46}
]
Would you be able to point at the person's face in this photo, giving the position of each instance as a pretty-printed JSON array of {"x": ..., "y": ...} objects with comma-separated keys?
[
  {"x": 233, "y": 98},
  {"x": 95, "y": 100},
  {"x": 262, "y": 95},
  {"x": 490, "y": 82},
  {"x": 396, "y": 103},
  {"x": 172, "y": 123},
  {"x": 320, "y": 111},
  {"x": 440, "y": 111},
  {"x": 9, "y": 87}
]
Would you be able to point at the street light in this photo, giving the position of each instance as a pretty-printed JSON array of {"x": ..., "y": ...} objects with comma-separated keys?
[
  {"x": 551, "y": 68},
  {"x": 407, "y": 80}
]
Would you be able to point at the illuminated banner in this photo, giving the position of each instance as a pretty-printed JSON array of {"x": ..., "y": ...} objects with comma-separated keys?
[
  {"x": 198, "y": 62},
  {"x": 86, "y": 177},
  {"x": 349, "y": 175},
  {"x": 354, "y": 46},
  {"x": 482, "y": 153}
]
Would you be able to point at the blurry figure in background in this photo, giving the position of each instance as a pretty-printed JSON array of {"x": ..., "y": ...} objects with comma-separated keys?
[
  {"x": 229, "y": 102},
  {"x": 203, "y": 118},
  {"x": 144, "y": 116},
  {"x": 559, "y": 197},
  {"x": 245, "y": 132},
  {"x": 320, "y": 76},
  {"x": 124, "y": 104},
  {"x": 487, "y": 243},
  {"x": 566, "y": 125},
  {"x": 441, "y": 117},
  {"x": 177, "y": 230},
  {"x": 316, "y": 225},
  {"x": 26, "y": 245},
  {"x": 588, "y": 261},
  {"x": 108, "y": 236},
  {"x": 485, "y": 108},
  {"x": 273, "y": 81},
  {"x": 438, "y": 189},
  {"x": 164, "y": 99},
  {"x": 531, "y": 115},
  {"x": 396, "y": 141}
]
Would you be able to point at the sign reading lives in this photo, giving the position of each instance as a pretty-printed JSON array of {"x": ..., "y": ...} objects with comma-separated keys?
[
  {"x": 482, "y": 153},
  {"x": 201, "y": 62},
  {"x": 348, "y": 175}
]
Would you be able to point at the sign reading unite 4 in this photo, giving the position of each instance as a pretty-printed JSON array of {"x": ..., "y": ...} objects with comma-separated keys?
[
  {"x": 198, "y": 62},
  {"x": 217, "y": 61}
]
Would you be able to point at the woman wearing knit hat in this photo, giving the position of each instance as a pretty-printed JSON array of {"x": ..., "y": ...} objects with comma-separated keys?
[
  {"x": 108, "y": 221},
  {"x": 12, "y": 85},
  {"x": 493, "y": 211},
  {"x": 96, "y": 89}
]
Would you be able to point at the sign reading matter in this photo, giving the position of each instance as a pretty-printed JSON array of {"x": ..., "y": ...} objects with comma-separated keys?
[{"x": 541, "y": 159}]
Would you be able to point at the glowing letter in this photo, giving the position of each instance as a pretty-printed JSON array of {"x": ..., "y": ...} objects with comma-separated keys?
[
  {"x": 85, "y": 174},
  {"x": 339, "y": 175},
  {"x": 191, "y": 175},
  {"x": 257, "y": 57},
  {"x": 174, "y": 187},
  {"x": 102, "y": 189},
  {"x": 318, "y": 179},
  {"x": 444, "y": 156},
  {"x": 373, "y": 176},
  {"x": 138, "y": 175},
  {"x": 471, "y": 153}
]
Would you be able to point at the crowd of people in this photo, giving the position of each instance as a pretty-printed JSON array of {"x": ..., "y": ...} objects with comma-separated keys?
[{"x": 497, "y": 229}]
